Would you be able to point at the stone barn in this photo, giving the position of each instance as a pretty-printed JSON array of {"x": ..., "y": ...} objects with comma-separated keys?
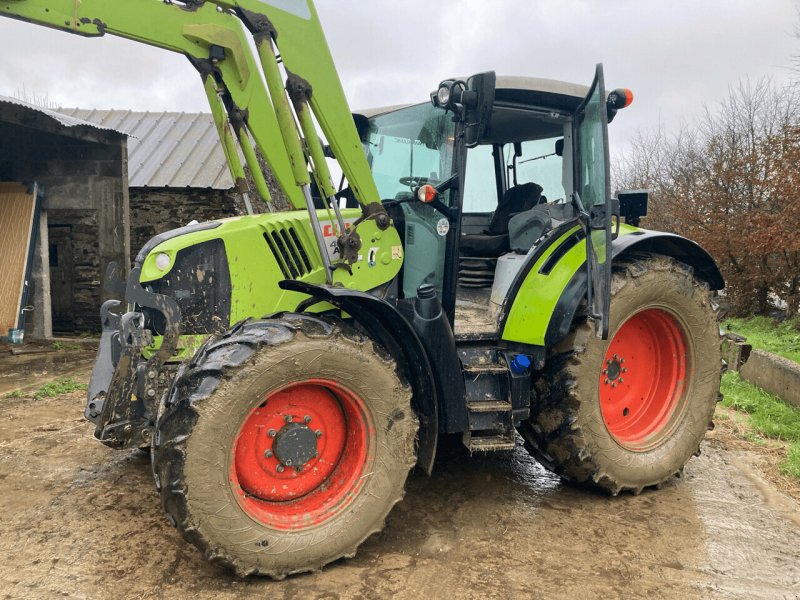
[
  {"x": 176, "y": 169},
  {"x": 80, "y": 171},
  {"x": 110, "y": 180}
]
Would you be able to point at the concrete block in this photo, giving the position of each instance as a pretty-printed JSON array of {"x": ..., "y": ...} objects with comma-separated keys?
[
  {"x": 775, "y": 374},
  {"x": 735, "y": 351}
]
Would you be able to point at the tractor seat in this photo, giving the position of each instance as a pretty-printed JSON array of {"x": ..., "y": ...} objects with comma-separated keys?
[
  {"x": 495, "y": 240},
  {"x": 527, "y": 227}
]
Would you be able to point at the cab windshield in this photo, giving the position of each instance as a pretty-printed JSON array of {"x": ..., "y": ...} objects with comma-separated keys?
[{"x": 409, "y": 147}]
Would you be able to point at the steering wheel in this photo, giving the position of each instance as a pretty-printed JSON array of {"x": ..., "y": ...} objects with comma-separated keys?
[{"x": 416, "y": 181}]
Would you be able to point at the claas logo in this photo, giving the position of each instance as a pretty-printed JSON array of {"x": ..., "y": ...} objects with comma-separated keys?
[{"x": 332, "y": 230}]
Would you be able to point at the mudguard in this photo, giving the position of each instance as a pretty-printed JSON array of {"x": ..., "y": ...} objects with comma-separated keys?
[
  {"x": 650, "y": 242},
  {"x": 392, "y": 330}
]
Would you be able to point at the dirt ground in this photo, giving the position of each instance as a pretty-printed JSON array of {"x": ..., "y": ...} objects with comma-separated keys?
[{"x": 79, "y": 520}]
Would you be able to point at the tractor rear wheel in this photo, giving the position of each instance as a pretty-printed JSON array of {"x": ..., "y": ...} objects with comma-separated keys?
[
  {"x": 284, "y": 444},
  {"x": 629, "y": 412}
]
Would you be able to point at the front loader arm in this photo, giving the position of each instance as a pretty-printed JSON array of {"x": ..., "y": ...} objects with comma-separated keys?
[
  {"x": 192, "y": 32},
  {"x": 305, "y": 53}
]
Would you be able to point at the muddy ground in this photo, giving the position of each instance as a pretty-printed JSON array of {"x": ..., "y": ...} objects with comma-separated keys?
[{"x": 80, "y": 520}]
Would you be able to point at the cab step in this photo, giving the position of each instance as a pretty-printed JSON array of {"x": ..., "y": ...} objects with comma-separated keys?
[
  {"x": 491, "y": 388},
  {"x": 489, "y": 443}
]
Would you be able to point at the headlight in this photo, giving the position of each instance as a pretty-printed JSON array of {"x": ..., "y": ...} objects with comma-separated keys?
[
  {"x": 443, "y": 95},
  {"x": 162, "y": 261}
]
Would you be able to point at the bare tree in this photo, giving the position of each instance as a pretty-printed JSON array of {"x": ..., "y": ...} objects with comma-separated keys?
[{"x": 731, "y": 181}]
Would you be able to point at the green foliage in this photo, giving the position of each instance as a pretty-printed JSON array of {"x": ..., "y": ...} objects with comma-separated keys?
[
  {"x": 15, "y": 394},
  {"x": 59, "y": 345},
  {"x": 770, "y": 417},
  {"x": 64, "y": 385},
  {"x": 791, "y": 465},
  {"x": 767, "y": 334}
]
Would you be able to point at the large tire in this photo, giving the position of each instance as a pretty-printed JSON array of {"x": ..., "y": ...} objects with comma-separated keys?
[
  {"x": 268, "y": 393},
  {"x": 617, "y": 425}
]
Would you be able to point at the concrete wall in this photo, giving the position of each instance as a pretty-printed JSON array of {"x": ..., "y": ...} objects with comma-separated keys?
[
  {"x": 775, "y": 374},
  {"x": 83, "y": 174}
]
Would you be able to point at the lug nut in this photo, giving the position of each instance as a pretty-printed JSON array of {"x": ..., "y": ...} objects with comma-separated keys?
[
  {"x": 288, "y": 462},
  {"x": 298, "y": 469},
  {"x": 613, "y": 385},
  {"x": 267, "y": 453},
  {"x": 318, "y": 433},
  {"x": 621, "y": 380},
  {"x": 279, "y": 468},
  {"x": 605, "y": 371},
  {"x": 306, "y": 419},
  {"x": 616, "y": 357},
  {"x": 271, "y": 433},
  {"x": 606, "y": 381},
  {"x": 621, "y": 360},
  {"x": 624, "y": 370},
  {"x": 288, "y": 418}
]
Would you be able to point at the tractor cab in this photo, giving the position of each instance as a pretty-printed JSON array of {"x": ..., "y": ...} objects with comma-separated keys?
[{"x": 475, "y": 192}]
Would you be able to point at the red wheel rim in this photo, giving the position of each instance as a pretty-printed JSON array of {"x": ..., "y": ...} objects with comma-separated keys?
[
  {"x": 299, "y": 457},
  {"x": 643, "y": 380}
]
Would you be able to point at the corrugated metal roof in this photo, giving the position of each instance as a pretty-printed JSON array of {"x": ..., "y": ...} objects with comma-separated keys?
[
  {"x": 166, "y": 149},
  {"x": 66, "y": 120}
]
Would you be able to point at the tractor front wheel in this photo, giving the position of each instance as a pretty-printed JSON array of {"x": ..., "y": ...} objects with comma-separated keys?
[
  {"x": 628, "y": 412},
  {"x": 284, "y": 444}
]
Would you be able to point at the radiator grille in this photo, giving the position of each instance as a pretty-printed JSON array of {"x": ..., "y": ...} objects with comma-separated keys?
[{"x": 288, "y": 252}]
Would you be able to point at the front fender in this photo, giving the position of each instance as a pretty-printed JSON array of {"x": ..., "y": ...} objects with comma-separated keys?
[{"x": 385, "y": 324}]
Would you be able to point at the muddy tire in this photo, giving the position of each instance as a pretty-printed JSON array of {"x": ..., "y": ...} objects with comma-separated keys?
[
  {"x": 629, "y": 412},
  {"x": 283, "y": 445}
]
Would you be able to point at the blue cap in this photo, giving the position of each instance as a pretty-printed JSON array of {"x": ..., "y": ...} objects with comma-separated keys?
[{"x": 520, "y": 364}]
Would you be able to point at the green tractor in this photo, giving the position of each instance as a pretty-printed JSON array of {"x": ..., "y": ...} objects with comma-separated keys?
[{"x": 473, "y": 275}]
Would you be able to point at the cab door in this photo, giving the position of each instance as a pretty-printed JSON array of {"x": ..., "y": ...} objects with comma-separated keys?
[{"x": 592, "y": 196}]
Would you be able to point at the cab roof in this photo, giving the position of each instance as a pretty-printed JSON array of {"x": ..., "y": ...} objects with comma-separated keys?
[{"x": 511, "y": 89}]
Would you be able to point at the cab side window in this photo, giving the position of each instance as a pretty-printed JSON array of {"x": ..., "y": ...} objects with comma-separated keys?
[{"x": 480, "y": 190}]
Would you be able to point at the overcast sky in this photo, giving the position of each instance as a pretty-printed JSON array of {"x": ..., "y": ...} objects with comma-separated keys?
[{"x": 675, "y": 55}]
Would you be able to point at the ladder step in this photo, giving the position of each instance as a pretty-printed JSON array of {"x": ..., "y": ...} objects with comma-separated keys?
[
  {"x": 491, "y": 443},
  {"x": 491, "y": 406},
  {"x": 479, "y": 368}
]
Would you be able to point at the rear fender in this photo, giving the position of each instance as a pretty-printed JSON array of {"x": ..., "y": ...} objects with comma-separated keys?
[
  {"x": 390, "y": 328},
  {"x": 644, "y": 241}
]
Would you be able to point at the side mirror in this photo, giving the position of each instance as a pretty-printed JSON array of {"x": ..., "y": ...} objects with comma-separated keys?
[
  {"x": 470, "y": 101},
  {"x": 478, "y": 113},
  {"x": 560, "y": 147},
  {"x": 633, "y": 205}
]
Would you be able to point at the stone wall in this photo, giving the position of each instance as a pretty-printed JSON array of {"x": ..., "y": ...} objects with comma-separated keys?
[{"x": 156, "y": 210}]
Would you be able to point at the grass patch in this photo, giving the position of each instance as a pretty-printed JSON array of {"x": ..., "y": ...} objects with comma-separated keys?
[
  {"x": 769, "y": 417},
  {"x": 764, "y": 333},
  {"x": 64, "y": 385},
  {"x": 59, "y": 345}
]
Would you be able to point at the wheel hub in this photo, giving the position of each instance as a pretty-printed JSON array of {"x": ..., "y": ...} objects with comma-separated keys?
[
  {"x": 299, "y": 457},
  {"x": 295, "y": 444},
  {"x": 614, "y": 369}
]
